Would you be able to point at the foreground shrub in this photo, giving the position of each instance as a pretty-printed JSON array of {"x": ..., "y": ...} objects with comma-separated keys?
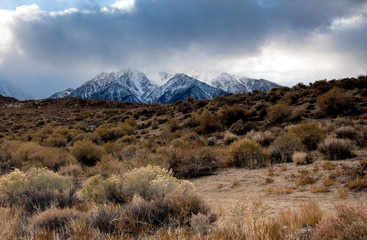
[
  {"x": 18, "y": 182},
  {"x": 105, "y": 190},
  {"x": 25, "y": 155},
  {"x": 284, "y": 146},
  {"x": 279, "y": 113},
  {"x": 142, "y": 216},
  {"x": 310, "y": 134},
  {"x": 87, "y": 153},
  {"x": 348, "y": 223},
  {"x": 194, "y": 162},
  {"x": 53, "y": 219},
  {"x": 336, "y": 149},
  {"x": 35, "y": 201},
  {"x": 246, "y": 153},
  {"x": 335, "y": 101},
  {"x": 153, "y": 181}
]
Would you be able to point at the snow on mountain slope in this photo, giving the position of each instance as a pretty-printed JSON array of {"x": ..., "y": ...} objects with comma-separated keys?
[
  {"x": 181, "y": 86},
  {"x": 134, "y": 86},
  {"x": 9, "y": 90},
  {"x": 236, "y": 84},
  {"x": 62, "y": 94},
  {"x": 125, "y": 85}
]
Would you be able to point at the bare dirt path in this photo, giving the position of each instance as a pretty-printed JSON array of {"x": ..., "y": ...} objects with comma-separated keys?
[{"x": 222, "y": 194}]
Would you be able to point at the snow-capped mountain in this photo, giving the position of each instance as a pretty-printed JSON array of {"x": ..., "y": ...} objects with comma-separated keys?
[
  {"x": 134, "y": 86},
  {"x": 9, "y": 90},
  {"x": 236, "y": 84},
  {"x": 62, "y": 94},
  {"x": 181, "y": 86},
  {"x": 126, "y": 85}
]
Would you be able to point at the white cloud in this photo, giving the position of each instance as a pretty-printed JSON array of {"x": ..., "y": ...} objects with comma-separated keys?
[
  {"x": 64, "y": 12},
  {"x": 121, "y": 5}
]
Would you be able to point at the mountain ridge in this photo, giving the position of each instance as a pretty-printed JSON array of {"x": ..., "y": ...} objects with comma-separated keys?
[{"x": 131, "y": 85}]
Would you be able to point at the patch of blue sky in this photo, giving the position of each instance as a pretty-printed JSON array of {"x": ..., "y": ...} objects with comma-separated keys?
[{"x": 56, "y": 5}]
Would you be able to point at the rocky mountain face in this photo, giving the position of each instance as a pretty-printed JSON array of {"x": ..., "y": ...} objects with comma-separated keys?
[
  {"x": 236, "y": 84},
  {"x": 62, "y": 94},
  {"x": 130, "y": 85}
]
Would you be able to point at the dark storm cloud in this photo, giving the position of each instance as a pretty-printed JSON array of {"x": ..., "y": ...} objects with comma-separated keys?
[
  {"x": 161, "y": 31},
  {"x": 215, "y": 26}
]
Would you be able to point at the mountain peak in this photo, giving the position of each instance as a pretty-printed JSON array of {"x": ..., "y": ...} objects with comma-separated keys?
[{"x": 131, "y": 85}]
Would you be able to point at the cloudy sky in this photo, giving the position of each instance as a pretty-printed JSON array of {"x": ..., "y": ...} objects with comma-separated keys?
[{"x": 47, "y": 46}]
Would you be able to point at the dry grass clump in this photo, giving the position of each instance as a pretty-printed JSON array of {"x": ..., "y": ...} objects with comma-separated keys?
[
  {"x": 246, "y": 153},
  {"x": 309, "y": 133},
  {"x": 279, "y": 113},
  {"x": 87, "y": 153},
  {"x": 348, "y": 222},
  {"x": 316, "y": 189},
  {"x": 304, "y": 180},
  {"x": 348, "y": 132},
  {"x": 327, "y": 165},
  {"x": 54, "y": 219},
  {"x": 336, "y": 149},
  {"x": 328, "y": 182},
  {"x": 358, "y": 184},
  {"x": 278, "y": 190},
  {"x": 299, "y": 158},
  {"x": 284, "y": 146}
]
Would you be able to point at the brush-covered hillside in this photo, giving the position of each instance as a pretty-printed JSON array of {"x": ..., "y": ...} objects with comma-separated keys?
[{"x": 289, "y": 163}]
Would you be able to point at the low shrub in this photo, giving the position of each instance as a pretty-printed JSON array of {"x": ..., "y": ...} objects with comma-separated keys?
[
  {"x": 310, "y": 134},
  {"x": 348, "y": 132},
  {"x": 335, "y": 101},
  {"x": 53, "y": 219},
  {"x": 87, "y": 153},
  {"x": 18, "y": 182},
  {"x": 107, "y": 219},
  {"x": 241, "y": 127},
  {"x": 209, "y": 123},
  {"x": 284, "y": 146},
  {"x": 279, "y": 113},
  {"x": 183, "y": 204},
  {"x": 299, "y": 158},
  {"x": 195, "y": 162},
  {"x": 35, "y": 201},
  {"x": 56, "y": 140},
  {"x": 152, "y": 181},
  {"x": 348, "y": 223},
  {"x": 231, "y": 114},
  {"x": 336, "y": 149},
  {"x": 262, "y": 138},
  {"x": 246, "y": 153},
  {"x": 101, "y": 190}
]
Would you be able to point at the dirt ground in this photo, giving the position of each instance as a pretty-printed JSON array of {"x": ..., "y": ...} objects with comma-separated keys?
[{"x": 229, "y": 187}]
